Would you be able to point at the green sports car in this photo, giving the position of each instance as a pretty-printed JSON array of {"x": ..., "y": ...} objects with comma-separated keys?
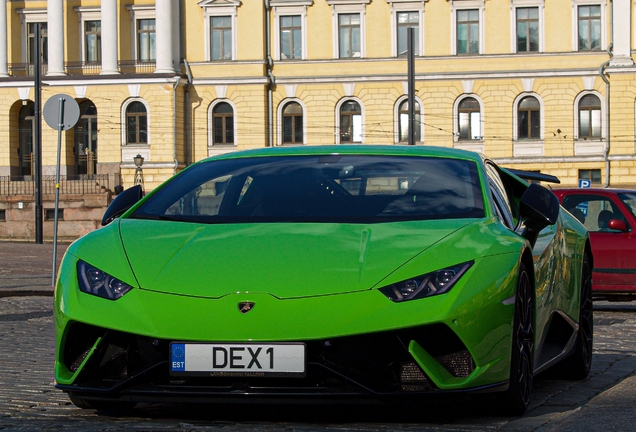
[{"x": 326, "y": 273}]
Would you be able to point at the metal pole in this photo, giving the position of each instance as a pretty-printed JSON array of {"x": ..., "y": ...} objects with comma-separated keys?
[
  {"x": 411, "y": 84},
  {"x": 37, "y": 138},
  {"x": 60, "y": 126}
]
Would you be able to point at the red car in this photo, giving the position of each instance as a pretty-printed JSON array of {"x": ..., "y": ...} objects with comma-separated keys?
[{"x": 609, "y": 215}]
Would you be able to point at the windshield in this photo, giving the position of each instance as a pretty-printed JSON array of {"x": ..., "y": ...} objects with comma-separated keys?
[{"x": 331, "y": 188}]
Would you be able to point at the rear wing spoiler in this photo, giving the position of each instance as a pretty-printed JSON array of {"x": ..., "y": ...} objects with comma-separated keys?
[{"x": 534, "y": 176}]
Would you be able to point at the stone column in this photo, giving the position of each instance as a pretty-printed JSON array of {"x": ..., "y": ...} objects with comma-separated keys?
[
  {"x": 4, "y": 71},
  {"x": 110, "y": 37},
  {"x": 621, "y": 17},
  {"x": 164, "y": 35},
  {"x": 55, "y": 30}
]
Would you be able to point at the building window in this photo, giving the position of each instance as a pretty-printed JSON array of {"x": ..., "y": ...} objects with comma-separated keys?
[
  {"x": 349, "y": 35},
  {"x": 469, "y": 119},
  {"x": 468, "y": 31},
  {"x": 593, "y": 175},
  {"x": 44, "y": 45},
  {"x": 293, "y": 123},
  {"x": 350, "y": 123},
  {"x": 223, "y": 124},
  {"x": 136, "y": 123},
  {"x": 25, "y": 139},
  {"x": 221, "y": 38},
  {"x": 93, "y": 41},
  {"x": 404, "y": 21},
  {"x": 3, "y": 215},
  {"x": 146, "y": 46},
  {"x": 49, "y": 214},
  {"x": 85, "y": 150},
  {"x": 290, "y": 37},
  {"x": 589, "y": 28},
  {"x": 529, "y": 118},
  {"x": 590, "y": 117},
  {"x": 527, "y": 29},
  {"x": 403, "y": 123},
  {"x": 220, "y": 29}
]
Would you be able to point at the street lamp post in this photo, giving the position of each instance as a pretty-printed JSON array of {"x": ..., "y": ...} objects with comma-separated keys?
[{"x": 139, "y": 174}]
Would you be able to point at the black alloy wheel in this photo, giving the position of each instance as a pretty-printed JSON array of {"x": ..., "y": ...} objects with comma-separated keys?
[
  {"x": 516, "y": 399},
  {"x": 577, "y": 366}
]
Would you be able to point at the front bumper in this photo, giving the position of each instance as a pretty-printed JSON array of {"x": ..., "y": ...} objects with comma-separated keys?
[
  {"x": 123, "y": 366},
  {"x": 358, "y": 344}
]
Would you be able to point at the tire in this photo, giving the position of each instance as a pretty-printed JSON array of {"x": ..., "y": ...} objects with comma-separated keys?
[
  {"x": 577, "y": 366},
  {"x": 515, "y": 400},
  {"x": 101, "y": 405}
]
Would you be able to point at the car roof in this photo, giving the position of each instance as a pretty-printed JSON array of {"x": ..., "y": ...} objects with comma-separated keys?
[
  {"x": 609, "y": 191},
  {"x": 361, "y": 149}
]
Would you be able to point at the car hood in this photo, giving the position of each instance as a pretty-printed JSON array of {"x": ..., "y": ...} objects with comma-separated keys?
[{"x": 285, "y": 260}]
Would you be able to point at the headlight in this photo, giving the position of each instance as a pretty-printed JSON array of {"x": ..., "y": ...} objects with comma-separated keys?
[
  {"x": 430, "y": 284},
  {"x": 97, "y": 282}
]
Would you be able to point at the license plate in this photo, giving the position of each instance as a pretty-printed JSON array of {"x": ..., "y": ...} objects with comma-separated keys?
[{"x": 237, "y": 359}]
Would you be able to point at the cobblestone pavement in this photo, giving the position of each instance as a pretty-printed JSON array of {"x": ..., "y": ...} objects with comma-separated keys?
[{"x": 28, "y": 400}]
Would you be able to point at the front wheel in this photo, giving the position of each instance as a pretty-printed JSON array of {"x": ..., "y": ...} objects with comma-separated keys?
[
  {"x": 577, "y": 366},
  {"x": 516, "y": 399}
]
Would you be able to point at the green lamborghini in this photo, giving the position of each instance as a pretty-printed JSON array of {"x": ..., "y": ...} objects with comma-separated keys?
[{"x": 326, "y": 273}]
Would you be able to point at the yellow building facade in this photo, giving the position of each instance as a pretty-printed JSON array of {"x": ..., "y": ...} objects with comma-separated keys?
[{"x": 534, "y": 85}]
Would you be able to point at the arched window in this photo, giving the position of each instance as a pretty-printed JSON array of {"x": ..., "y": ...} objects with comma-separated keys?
[
  {"x": 223, "y": 124},
  {"x": 469, "y": 116},
  {"x": 350, "y": 123},
  {"x": 293, "y": 123},
  {"x": 136, "y": 124},
  {"x": 85, "y": 149},
  {"x": 404, "y": 122},
  {"x": 529, "y": 118},
  {"x": 25, "y": 134},
  {"x": 590, "y": 117}
]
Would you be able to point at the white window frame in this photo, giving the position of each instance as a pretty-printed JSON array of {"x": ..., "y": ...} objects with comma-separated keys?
[
  {"x": 290, "y": 8},
  {"x": 211, "y": 124},
  {"x": 575, "y": 21},
  {"x": 337, "y": 122},
  {"x": 396, "y": 118},
  {"x": 407, "y": 6},
  {"x": 514, "y": 4},
  {"x": 281, "y": 106},
  {"x": 86, "y": 13},
  {"x": 28, "y": 16},
  {"x": 456, "y": 118},
  {"x": 515, "y": 117},
  {"x": 217, "y": 8},
  {"x": 458, "y": 5},
  {"x": 348, "y": 7},
  {"x": 124, "y": 122},
  {"x": 576, "y": 116},
  {"x": 139, "y": 12}
]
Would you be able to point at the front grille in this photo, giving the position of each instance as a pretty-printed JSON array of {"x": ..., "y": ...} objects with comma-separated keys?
[{"x": 377, "y": 363}]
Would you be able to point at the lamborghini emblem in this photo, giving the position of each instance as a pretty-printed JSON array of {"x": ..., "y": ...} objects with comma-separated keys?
[{"x": 245, "y": 307}]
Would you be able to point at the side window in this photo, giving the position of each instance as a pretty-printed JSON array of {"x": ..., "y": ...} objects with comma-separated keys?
[
  {"x": 593, "y": 211},
  {"x": 505, "y": 208}
]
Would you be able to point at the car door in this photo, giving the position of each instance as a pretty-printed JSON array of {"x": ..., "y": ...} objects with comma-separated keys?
[{"x": 614, "y": 250}]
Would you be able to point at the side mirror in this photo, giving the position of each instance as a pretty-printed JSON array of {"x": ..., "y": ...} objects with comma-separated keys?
[
  {"x": 539, "y": 208},
  {"x": 121, "y": 203},
  {"x": 618, "y": 225}
]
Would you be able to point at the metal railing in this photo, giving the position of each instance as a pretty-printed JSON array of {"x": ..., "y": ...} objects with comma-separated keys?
[
  {"x": 79, "y": 68},
  {"x": 69, "y": 184}
]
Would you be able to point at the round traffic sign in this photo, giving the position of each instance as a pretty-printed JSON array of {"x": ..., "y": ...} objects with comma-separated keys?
[{"x": 70, "y": 111}]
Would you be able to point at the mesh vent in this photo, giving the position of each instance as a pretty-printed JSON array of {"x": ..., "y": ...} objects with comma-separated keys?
[
  {"x": 410, "y": 372},
  {"x": 460, "y": 364}
]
